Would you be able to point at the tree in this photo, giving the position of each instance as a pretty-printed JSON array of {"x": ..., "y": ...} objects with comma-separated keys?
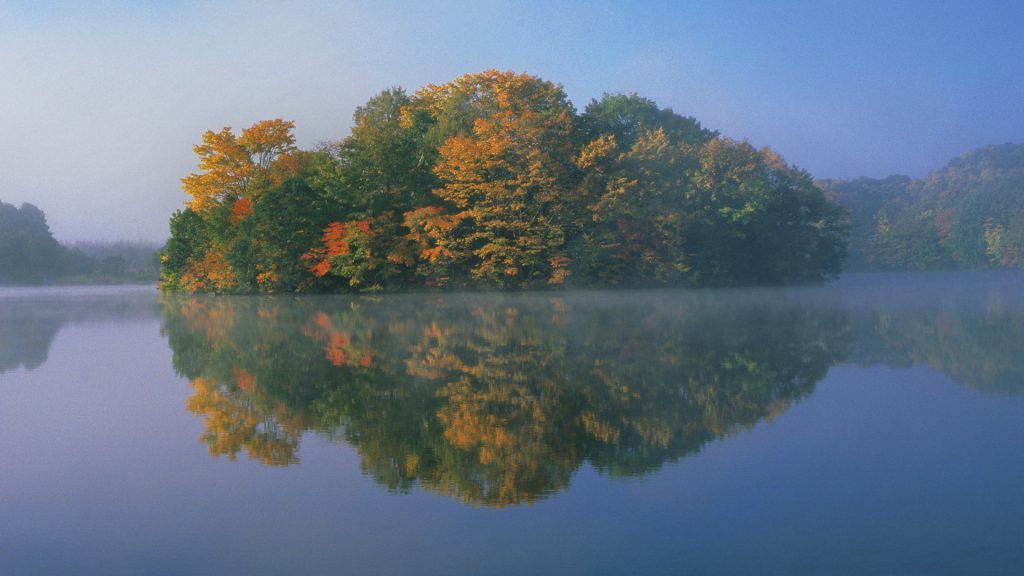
[
  {"x": 628, "y": 117},
  {"x": 28, "y": 250},
  {"x": 237, "y": 167},
  {"x": 637, "y": 211},
  {"x": 375, "y": 176},
  {"x": 505, "y": 183}
]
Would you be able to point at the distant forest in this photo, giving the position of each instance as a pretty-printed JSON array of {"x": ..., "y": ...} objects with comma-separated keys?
[
  {"x": 29, "y": 254},
  {"x": 967, "y": 215},
  {"x": 494, "y": 180}
]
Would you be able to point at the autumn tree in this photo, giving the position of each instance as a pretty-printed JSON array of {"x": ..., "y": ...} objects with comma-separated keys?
[
  {"x": 670, "y": 203},
  {"x": 758, "y": 220},
  {"x": 215, "y": 244},
  {"x": 237, "y": 167},
  {"x": 636, "y": 210},
  {"x": 374, "y": 176},
  {"x": 506, "y": 182}
]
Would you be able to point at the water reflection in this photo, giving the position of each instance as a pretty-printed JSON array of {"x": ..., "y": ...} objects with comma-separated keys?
[
  {"x": 497, "y": 400},
  {"x": 968, "y": 326},
  {"x": 30, "y": 318}
]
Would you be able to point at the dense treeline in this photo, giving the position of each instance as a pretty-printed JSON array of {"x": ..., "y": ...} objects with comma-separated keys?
[
  {"x": 495, "y": 180},
  {"x": 29, "y": 254},
  {"x": 969, "y": 214}
]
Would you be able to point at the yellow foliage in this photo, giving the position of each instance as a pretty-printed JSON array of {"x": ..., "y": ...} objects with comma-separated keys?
[
  {"x": 506, "y": 175},
  {"x": 212, "y": 272},
  {"x": 233, "y": 167}
]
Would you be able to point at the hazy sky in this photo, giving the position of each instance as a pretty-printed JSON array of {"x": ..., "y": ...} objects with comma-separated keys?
[{"x": 101, "y": 102}]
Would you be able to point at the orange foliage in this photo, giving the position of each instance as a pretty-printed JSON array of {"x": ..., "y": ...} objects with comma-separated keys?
[
  {"x": 214, "y": 321},
  {"x": 507, "y": 176},
  {"x": 241, "y": 209},
  {"x": 232, "y": 426},
  {"x": 338, "y": 347},
  {"x": 334, "y": 239},
  {"x": 243, "y": 379},
  {"x": 334, "y": 242},
  {"x": 213, "y": 272}
]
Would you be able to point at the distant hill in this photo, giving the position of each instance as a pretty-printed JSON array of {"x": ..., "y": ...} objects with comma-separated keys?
[
  {"x": 28, "y": 251},
  {"x": 29, "y": 254},
  {"x": 969, "y": 214}
]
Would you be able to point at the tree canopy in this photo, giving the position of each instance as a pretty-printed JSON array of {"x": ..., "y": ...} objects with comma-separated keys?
[{"x": 496, "y": 180}]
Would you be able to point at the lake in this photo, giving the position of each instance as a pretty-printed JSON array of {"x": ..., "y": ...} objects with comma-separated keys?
[{"x": 871, "y": 426}]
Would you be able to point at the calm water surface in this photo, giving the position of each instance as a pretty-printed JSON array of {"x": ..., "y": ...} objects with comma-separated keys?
[{"x": 872, "y": 426}]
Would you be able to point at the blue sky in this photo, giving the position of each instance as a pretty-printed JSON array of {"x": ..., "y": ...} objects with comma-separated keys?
[{"x": 101, "y": 102}]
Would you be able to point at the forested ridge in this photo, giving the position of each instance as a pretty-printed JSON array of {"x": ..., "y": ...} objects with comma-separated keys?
[
  {"x": 29, "y": 254},
  {"x": 496, "y": 180},
  {"x": 967, "y": 215}
]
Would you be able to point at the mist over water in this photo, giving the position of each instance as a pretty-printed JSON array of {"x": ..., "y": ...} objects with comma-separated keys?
[{"x": 718, "y": 430}]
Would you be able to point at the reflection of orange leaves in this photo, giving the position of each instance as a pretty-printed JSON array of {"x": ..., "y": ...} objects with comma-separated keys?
[
  {"x": 322, "y": 320},
  {"x": 335, "y": 356},
  {"x": 471, "y": 421},
  {"x": 335, "y": 350},
  {"x": 214, "y": 321},
  {"x": 337, "y": 344},
  {"x": 243, "y": 379},
  {"x": 233, "y": 424},
  {"x": 412, "y": 464}
]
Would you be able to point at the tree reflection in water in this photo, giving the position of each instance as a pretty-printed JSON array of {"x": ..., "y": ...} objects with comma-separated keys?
[
  {"x": 496, "y": 400},
  {"x": 31, "y": 317}
]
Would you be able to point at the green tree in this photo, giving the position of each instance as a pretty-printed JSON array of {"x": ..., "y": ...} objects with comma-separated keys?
[
  {"x": 629, "y": 117},
  {"x": 28, "y": 250}
]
